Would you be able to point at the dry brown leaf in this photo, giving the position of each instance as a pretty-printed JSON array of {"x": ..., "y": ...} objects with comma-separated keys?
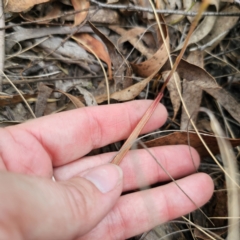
[
  {"x": 18, "y": 113},
  {"x": 132, "y": 33},
  {"x": 179, "y": 138},
  {"x": 98, "y": 48},
  {"x": 194, "y": 8},
  {"x": 21, "y": 5},
  {"x": 22, "y": 34},
  {"x": 196, "y": 58},
  {"x": 88, "y": 97},
  {"x": 51, "y": 108},
  {"x": 106, "y": 16},
  {"x": 192, "y": 94},
  {"x": 127, "y": 93},
  {"x": 206, "y": 82},
  {"x": 77, "y": 103},
  {"x": 172, "y": 18},
  {"x": 122, "y": 70},
  {"x": 169, "y": 5},
  {"x": 65, "y": 50},
  {"x": 226, "y": 100},
  {"x": 221, "y": 28},
  {"x": 146, "y": 36},
  {"x": 79, "y": 5},
  {"x": 53, "y": 12},
  {"x": 204, "y": 28},
  {"x": 131, "y": 36},
  {"x": 44, "y": 93},
  {"x": 194, "y": 73},
  {"x": 172, "y": 88},
  {"x": 146, "y": 68}
]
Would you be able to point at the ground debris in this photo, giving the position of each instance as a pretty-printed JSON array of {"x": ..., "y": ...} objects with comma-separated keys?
[{"x": 54, "y": 72}]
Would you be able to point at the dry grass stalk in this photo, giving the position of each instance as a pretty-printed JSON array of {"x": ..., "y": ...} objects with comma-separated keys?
[{"x": 230, "y": 167}]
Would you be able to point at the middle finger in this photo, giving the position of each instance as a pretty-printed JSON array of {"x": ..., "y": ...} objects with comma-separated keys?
[{"x": 139, "y": 167}]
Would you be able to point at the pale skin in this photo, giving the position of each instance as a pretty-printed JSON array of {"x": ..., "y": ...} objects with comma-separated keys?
[{"x": 85, "y": 202}]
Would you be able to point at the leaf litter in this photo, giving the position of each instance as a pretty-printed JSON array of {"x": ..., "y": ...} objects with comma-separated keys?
[{"x": 58, "y": 74}]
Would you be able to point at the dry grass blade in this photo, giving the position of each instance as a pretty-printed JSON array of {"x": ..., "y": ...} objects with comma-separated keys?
[
  {"x": 26, "y": 49},
  {"x": 126, "y": 146},
  {"x": 200, "y": 229},
  {"x": 232, "y": 179},
  {"x": 29, "y": 108}
]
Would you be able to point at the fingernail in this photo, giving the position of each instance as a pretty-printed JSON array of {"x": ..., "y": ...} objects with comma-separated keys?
[{"x": 105, "y": 177}]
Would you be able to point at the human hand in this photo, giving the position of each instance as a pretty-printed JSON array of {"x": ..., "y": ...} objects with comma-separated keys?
[{"x": 85, "y": 202}]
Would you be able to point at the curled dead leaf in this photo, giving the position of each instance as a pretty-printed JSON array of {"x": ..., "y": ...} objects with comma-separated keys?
[
  {"x": 221, "y": 28},
  {"x": 20, "y": 5},
  {"x": 127, "y": 93},
  {"x": 98, "y": 48},
  {"x": 132, "y": 36},
  {"x": 82, "y": 6},
  {"x": 88, "y": 97},
  {"x": 204, "y": 27},
  {"x": 149, "y": 66},
  {"x": 53, "y": 12},
  {"x": 122, "y": 69},
  {"x": 77, "y": 103}
]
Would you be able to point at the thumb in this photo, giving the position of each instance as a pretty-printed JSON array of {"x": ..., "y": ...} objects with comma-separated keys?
[
  {"x": 95, "y": 194},
  {"x": 57, "y": 210}
]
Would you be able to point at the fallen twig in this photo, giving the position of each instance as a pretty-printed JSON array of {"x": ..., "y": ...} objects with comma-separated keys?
[{"x": 163, "y": 11}]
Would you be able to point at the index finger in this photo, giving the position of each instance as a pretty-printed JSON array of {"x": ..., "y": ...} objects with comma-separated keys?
[{"x": 67, "y": 136}]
